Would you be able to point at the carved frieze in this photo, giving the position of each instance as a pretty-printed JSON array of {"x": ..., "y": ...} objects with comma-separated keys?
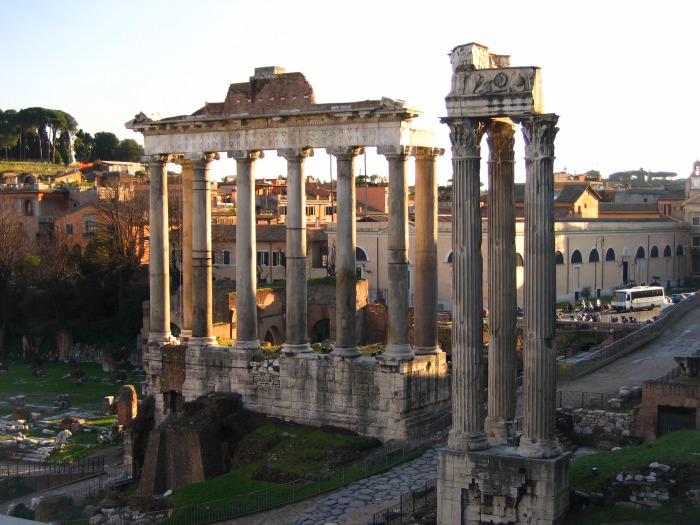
[{"x": 495, "y": 92}]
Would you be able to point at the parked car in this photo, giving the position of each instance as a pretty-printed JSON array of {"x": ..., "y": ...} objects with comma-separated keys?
[{"x": 677, "y": 297}]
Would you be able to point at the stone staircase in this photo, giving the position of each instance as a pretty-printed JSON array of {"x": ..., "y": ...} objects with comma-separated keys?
[{"x": 565, "y": 442}]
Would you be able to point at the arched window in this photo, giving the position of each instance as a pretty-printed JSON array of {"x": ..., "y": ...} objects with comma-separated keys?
[
  {"x": 360, "y": 255},
  {"x": 610, "y": 255},
  {"x": 28, "y": 208},
  {"x": 558, "y": 257},
  {"x": 654, "y": 252},
  {"x": 679, "y": 249},
  {"x": 576, "y": 257},
  {"x": 641, "y": 254},
  {"x": 593, "y": 256},
  {"x": 449, "y": 258},
  {"x": 518, "y": 259},
  {"x": 667, "y": 251}
]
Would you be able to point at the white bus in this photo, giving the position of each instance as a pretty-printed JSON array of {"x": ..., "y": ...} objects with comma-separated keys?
[{"x": 637, "y": 298}]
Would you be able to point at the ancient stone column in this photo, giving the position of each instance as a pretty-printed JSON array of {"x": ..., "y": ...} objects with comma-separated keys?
[
  {"x": 159, "y": 245},
  {"x": 425, "y": 296},
  {"x": 539, "y": 352},
  {"x": 186, "y": 242},
  {"x": 246, "y": 276},
  {"x": 346, "y": 276},
  {"x": 202, "y": 296},
  {"x": 502, "y": 282},
  {"x": 467, "y": 302},
  {"x": 398, "y": 344},
  {"x": 297, "y": 340}
]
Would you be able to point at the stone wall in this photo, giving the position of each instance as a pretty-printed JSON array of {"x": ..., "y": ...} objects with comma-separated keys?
[
  {"x": 381, "y": 398},
  {"x": 595, "y": 425}
]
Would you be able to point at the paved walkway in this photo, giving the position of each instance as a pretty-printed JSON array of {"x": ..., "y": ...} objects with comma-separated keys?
[
  {"x": 652, "y": 361},
  {"x": 356, "y": 503}
]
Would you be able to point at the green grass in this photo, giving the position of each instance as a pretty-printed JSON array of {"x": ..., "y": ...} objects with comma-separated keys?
[
  {"x": 297, "y": 451},
  {"x": 43, "y": 390},
  {"x": 679, "y": 449}
]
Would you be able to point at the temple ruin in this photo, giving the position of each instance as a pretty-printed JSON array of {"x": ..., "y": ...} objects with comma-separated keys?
[
  {"x": 390, "y": 396},
  {"x": 490, "y": 473}
]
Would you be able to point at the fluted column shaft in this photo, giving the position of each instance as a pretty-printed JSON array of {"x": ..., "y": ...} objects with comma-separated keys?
[
  {"x": 398, "y": 345},
  {"x": 539, "y": 352},
  {"x": 467, "y": 339},
  {"x": 502, "y": 282},
  {"x": 202, "y": 296},
  {"x": 159, "y": 245},
  {"x": 246, "y": 276},
  {"x": 297, "y": 339},
  {"x": 346, "y": 277},
  {"x": 425, "y": 333},
  {"x": 186, "y": 242}
]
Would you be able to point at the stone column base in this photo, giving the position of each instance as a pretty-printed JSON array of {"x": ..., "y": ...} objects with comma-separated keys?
[
  {"x": 201, "y": 342},
  {"x": 398, "y": 352},
  {"x": 161, "y": 338},
  {"x": 346, "y": 351},
  {"x": 427, "y": 350},
  {"x": 498, "y": 486},
  {"x": 296, "y": 348},
  {"x": 247, "y": 345}
]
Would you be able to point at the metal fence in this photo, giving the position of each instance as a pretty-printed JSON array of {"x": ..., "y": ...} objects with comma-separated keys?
[
  {"x": 25, "y": 478},
  {"x": 629, "y": 343},
  {"x": 596, "y": 400},
  {"x": 410, "y": 503}
]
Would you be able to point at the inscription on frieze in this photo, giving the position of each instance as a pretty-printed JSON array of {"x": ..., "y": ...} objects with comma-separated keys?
[{"x": 283, "y": 137}]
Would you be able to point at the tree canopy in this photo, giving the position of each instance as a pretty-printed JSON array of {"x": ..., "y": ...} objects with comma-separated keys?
[{"x": 52, "y": 135}]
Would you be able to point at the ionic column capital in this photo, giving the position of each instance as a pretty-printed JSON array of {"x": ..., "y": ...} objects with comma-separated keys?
[
  {"x": 395, "y": 151},
  {"x": 344, "y": 152},
  {"x": 248, "y": 155},
  {"x": 422, "y": 152},
  {"x": 295, "y": 153},
  {"x": 465, "y": 137},
  {"x": 199, "y": 158},
  {"x": 157, "y": 158}
]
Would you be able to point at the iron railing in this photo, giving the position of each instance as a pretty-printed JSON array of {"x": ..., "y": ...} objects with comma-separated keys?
[{"x": 409, "y": 503}]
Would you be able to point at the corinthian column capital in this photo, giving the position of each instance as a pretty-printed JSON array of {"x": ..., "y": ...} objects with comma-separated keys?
[
  {"x": 539, "y": 132},
  {"x": 501, "y": 140},
  {"x": 465, "y": 137}
]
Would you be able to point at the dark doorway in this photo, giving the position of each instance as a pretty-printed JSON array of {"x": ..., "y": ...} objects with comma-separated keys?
[
  {"x": 321, "y": 331},
  {"x": 675, "y": 418}
]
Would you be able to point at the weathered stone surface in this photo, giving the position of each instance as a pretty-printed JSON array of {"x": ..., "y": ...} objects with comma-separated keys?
[
  {"x": 196, "y": 445},
  {"x": 127, "y": 405},
  {"x": 53, "y": 507}
]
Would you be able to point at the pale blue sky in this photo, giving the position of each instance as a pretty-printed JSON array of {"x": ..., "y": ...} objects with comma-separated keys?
[{"x": 622, "y": 75}]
